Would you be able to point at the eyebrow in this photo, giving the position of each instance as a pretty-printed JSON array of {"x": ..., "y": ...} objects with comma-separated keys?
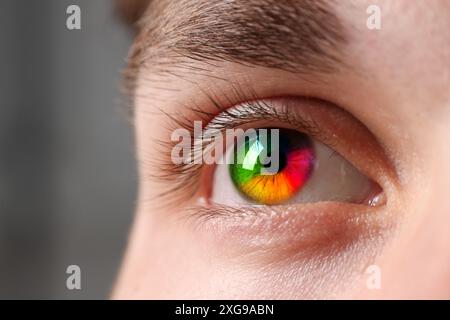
[{"x": 296, "y": 36}]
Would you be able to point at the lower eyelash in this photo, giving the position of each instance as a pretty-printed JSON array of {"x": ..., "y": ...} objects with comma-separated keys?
[
  {"x": 256, "y": 216},
  {"x": 204, "y": 213}
]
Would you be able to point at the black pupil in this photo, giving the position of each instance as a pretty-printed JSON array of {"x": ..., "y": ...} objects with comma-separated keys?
[{"x": 282, "y": 161}]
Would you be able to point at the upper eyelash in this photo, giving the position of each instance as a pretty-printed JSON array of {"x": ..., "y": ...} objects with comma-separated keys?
[{"x": 185, "y": 177}]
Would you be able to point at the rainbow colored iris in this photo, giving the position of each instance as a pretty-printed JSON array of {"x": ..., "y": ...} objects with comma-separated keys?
[{"x": 271, "y": 172}]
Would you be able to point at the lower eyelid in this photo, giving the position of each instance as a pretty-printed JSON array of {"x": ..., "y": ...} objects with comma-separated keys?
[{"x": 286, "y": 230}]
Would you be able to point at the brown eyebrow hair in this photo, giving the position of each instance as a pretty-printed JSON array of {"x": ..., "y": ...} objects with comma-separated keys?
[{"x": 292, "y": 35}]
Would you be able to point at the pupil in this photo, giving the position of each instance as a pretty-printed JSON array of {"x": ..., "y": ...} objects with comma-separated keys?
[{"x": 281, "y": 162}]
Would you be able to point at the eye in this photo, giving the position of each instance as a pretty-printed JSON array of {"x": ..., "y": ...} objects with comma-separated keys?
[
  {"x": 286, "y": 166},
  {"x": 321, "y": 154}
]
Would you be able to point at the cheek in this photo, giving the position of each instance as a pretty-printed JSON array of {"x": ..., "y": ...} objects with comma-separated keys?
[
  {"x": 162, "y": 260},
  {"x": 172, "y": 258},
  {"x": 167, "y": 260}
]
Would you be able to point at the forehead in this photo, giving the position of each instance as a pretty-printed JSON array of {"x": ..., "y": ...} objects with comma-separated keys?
[{"x": 410, "y": 52}]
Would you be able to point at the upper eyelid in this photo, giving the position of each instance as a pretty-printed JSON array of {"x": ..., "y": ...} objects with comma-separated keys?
[
  {"x": 260, "y": 109},
  {"x": 248, "y": 112}
]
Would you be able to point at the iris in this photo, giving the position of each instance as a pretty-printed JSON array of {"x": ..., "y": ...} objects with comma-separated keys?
[{"x": 273, "y": 183}]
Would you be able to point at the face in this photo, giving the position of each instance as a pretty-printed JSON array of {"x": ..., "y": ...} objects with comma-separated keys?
[{"x": 350, "y": 199}]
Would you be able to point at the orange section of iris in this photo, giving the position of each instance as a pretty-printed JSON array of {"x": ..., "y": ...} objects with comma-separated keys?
[
  {"x": 269, "y": 190},
  {"x": 280, "y": 187}
]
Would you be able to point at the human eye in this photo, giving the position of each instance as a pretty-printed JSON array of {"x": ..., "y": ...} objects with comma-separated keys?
[
  {"x": 329, "y": 186},
  {"x": 285, "y": 164},
  {"x": 316, "y": 152}
]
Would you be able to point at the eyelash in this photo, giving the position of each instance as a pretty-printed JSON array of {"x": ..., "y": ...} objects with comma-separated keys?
[{"x": 185, "y": 177}]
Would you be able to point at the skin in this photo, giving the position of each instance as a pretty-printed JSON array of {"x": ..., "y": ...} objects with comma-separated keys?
[{"x": 398, "y": 88}]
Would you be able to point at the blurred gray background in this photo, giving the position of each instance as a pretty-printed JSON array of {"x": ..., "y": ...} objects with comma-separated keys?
[{"x": 67, "y": 176}]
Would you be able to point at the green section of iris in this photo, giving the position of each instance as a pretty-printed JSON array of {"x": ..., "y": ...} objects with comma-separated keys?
[{"x": 246, "y": 159}]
